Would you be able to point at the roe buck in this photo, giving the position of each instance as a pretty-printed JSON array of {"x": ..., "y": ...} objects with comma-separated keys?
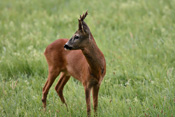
[{"x": 84, "y": 61}]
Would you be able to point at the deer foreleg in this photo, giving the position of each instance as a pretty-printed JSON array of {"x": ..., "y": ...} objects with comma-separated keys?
[
  {"x": 88, "y": 102},
  {"x": 95, "y": 90}
]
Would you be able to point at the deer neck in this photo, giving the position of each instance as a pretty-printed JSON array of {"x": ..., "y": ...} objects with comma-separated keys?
[{"x": 95, "y": 58}]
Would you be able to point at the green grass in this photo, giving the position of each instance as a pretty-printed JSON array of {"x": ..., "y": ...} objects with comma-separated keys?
[{"x": 136, "y": 36}]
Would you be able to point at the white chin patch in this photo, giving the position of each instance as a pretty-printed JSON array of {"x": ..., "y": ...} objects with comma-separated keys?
[{"x": 66, "y": 49}]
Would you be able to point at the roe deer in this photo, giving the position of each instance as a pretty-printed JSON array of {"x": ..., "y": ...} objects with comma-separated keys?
[{"x": 84, "y": 61}]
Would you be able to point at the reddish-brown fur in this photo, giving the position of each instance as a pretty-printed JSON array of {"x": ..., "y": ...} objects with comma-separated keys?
[{"x": 86, "y": 65}]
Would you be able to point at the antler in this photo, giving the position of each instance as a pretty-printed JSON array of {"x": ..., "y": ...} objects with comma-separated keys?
[
  {"x": 83, "y": 16},
  {"x": 82, "y": 25}
]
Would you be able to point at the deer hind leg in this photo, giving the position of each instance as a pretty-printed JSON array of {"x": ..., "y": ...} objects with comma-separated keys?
[
  {"x": 60, "y": 85},
  {"x": 53, "y": 73},
  {"x": 95, "y": 90}
]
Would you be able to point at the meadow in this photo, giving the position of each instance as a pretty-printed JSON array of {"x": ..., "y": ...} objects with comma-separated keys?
[{"x": 137, "y": 38}]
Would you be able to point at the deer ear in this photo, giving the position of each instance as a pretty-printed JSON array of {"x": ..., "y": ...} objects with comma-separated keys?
[{"x": 85, "y": 28}]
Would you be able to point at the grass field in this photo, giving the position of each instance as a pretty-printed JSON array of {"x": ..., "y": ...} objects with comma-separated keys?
[{"x": 137, "y": 38}]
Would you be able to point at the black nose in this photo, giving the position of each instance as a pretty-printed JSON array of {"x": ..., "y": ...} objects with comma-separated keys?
[{"x": 67, "y": 47}]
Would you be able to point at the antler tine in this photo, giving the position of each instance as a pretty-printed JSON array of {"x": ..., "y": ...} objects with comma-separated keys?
[{"x": 83, "y": 16}]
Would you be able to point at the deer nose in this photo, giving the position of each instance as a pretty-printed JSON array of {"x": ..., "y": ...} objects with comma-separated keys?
[{"x": 67, "y": 47}]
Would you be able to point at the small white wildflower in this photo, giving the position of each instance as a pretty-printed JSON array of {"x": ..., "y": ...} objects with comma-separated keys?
[
  {"x": 128, "y": 100},
  {"x": 152, "y": 82},
  {"x": 30, "y": 47},
  {"x": 135, "y": 99}
]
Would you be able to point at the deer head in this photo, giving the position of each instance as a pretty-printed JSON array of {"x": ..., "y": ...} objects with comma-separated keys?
[{"x": 81, "y": 37}]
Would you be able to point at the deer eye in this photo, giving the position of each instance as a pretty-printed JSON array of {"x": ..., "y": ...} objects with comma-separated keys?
[{"x": 76, "y": 37}]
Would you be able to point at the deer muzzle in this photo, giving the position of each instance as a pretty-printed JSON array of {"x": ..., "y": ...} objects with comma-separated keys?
[{"x": 67, "y": 47}]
